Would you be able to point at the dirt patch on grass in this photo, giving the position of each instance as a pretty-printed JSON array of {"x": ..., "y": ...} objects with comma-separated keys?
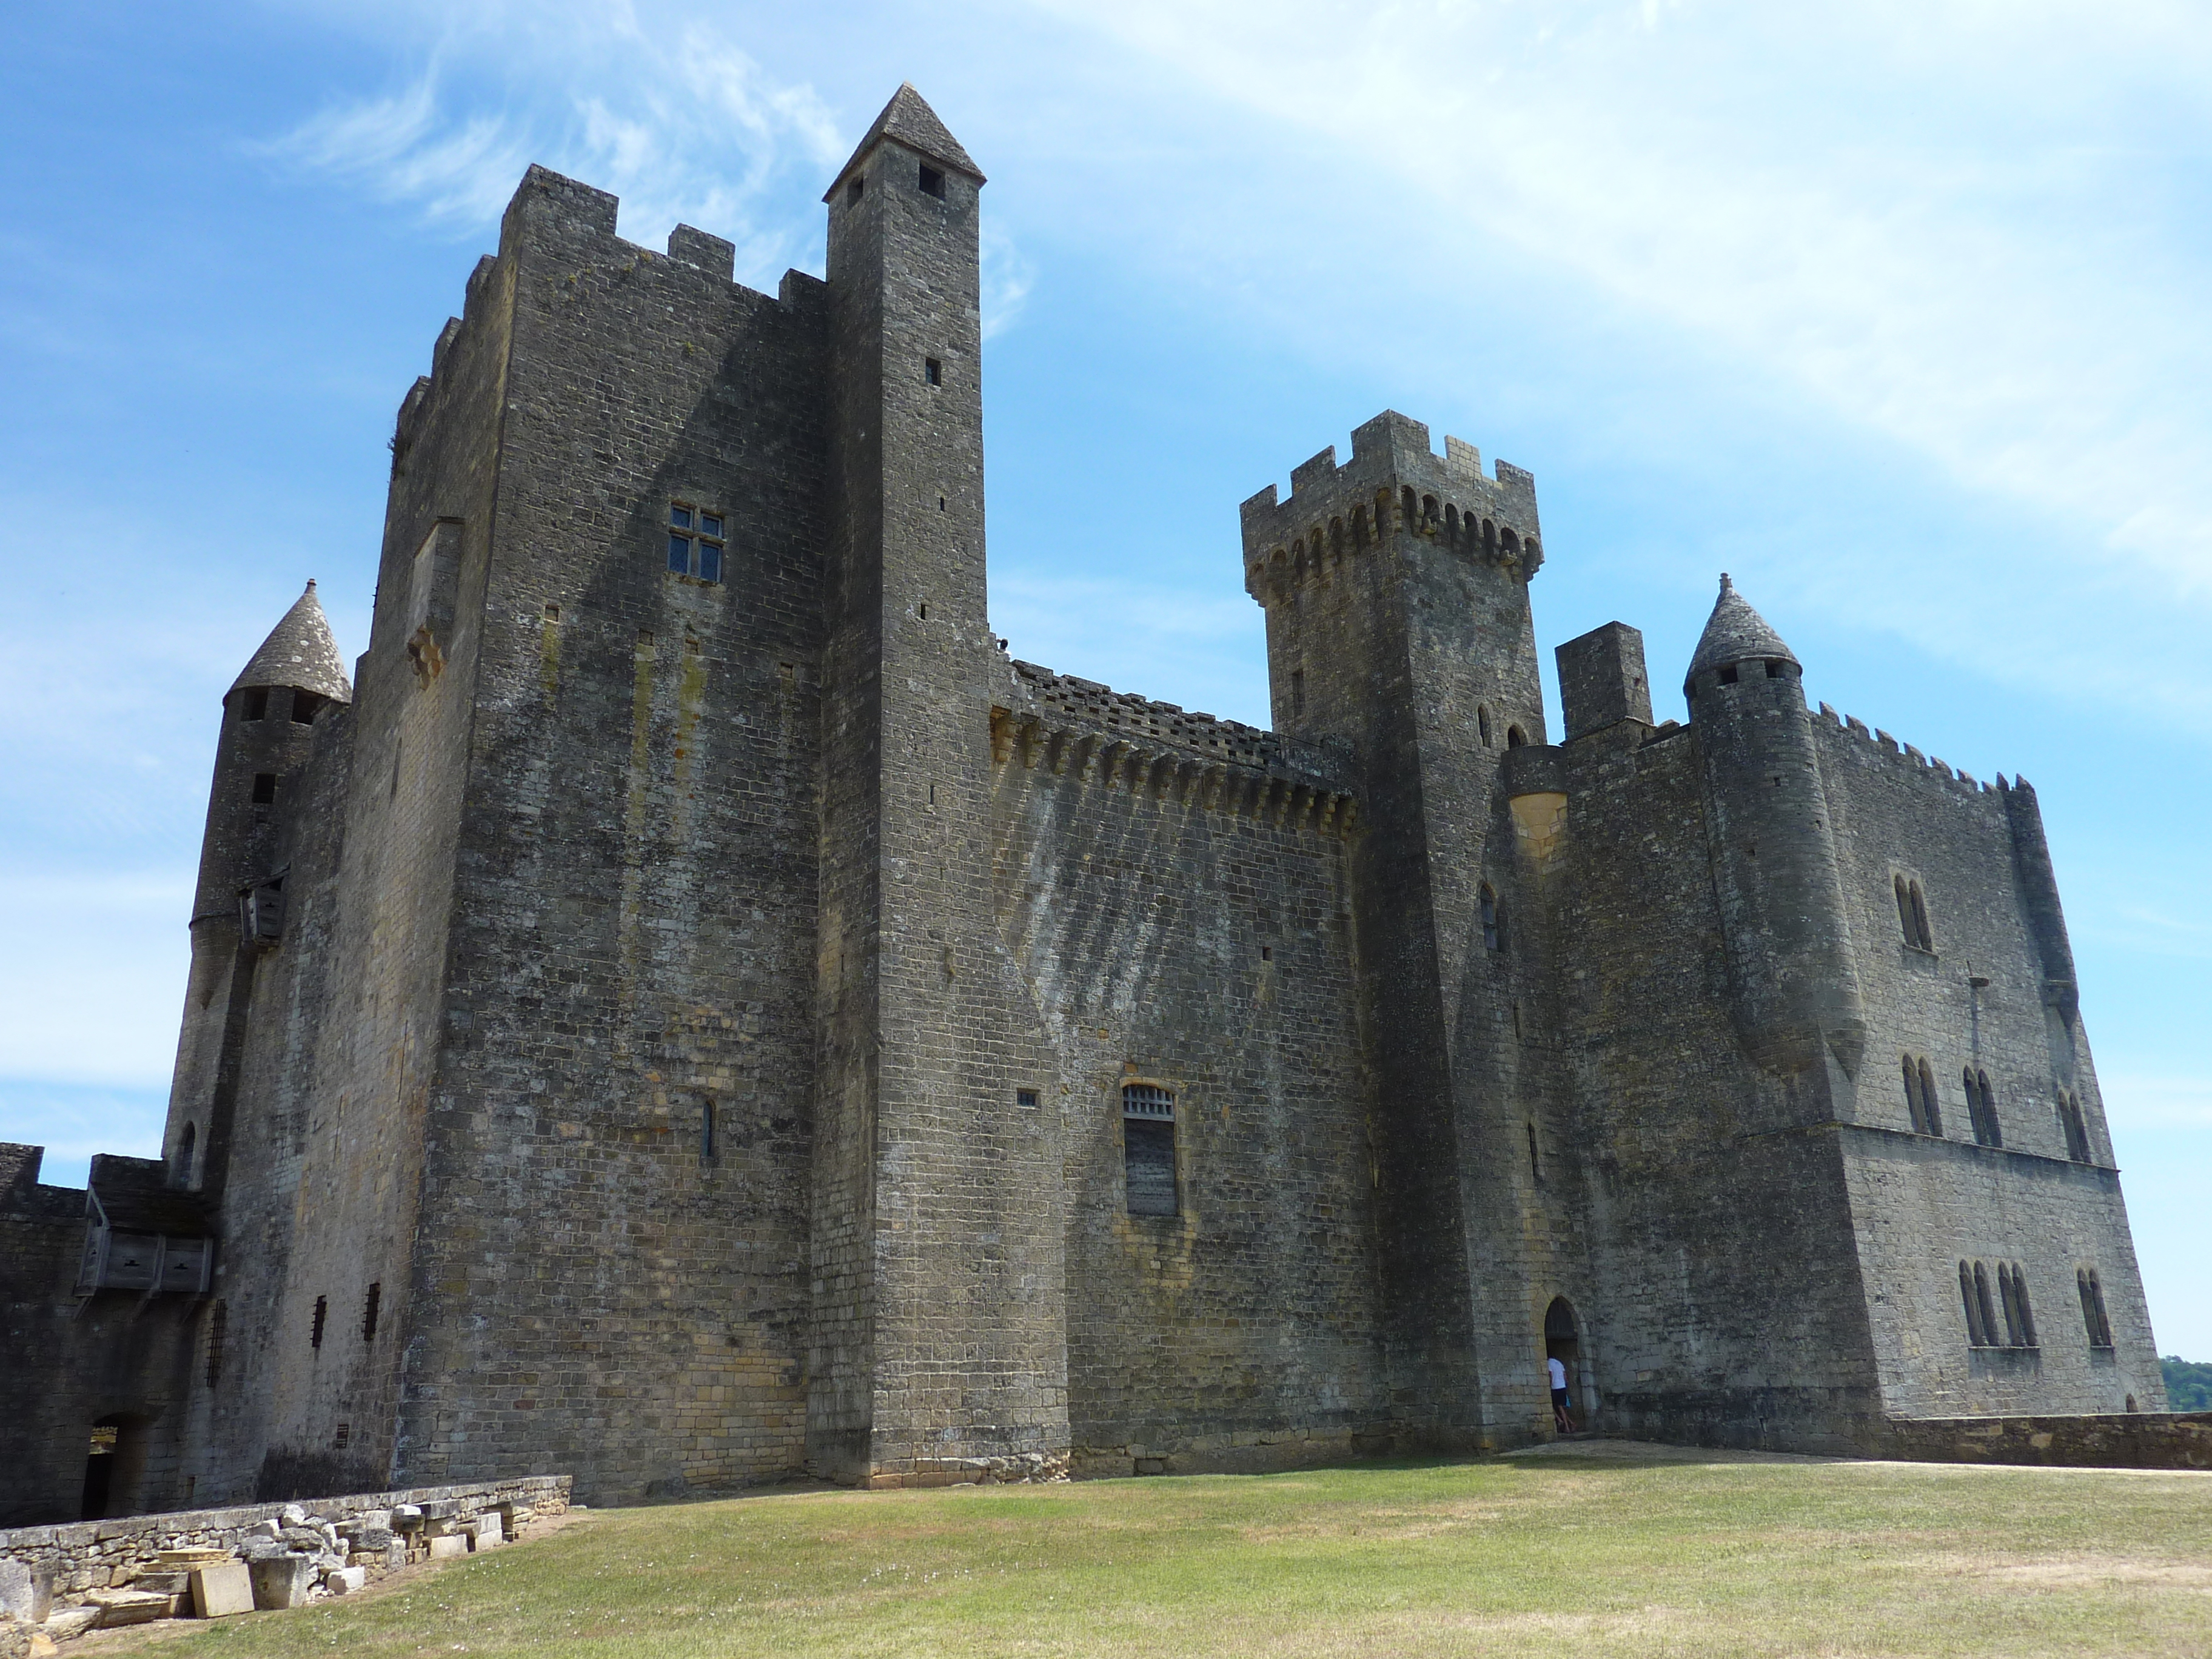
[{"x": 2093, "y": 1573}]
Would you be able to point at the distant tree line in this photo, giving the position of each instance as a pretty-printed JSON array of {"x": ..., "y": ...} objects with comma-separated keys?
[{"x": 2188, "y": 1387}]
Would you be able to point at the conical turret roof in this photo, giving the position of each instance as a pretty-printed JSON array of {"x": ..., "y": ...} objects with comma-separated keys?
[
  {"x": 1735, "y": 633},
  {"x": 909, "y": 119},
  {"x": 300, "y": 652}
]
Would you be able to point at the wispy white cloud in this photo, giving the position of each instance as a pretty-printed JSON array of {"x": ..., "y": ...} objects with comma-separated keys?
[
  {"x": 397, "y": 148},
  {"x": 1007, "y": 277},
  {"x": 1940, "y": 223},
  {"x": 677, "y": 120}
]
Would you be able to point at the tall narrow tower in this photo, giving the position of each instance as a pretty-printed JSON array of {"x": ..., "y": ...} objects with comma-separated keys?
[
  {"x": 939, "y": 1314},
  {"x": 269, "y": 716},
  {"x": 1793, "y": 989},
  {"x": 1398, "y": 627}
]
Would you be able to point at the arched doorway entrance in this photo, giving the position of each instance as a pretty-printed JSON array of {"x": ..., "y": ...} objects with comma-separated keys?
[{"x": 1563, "y": 1341}]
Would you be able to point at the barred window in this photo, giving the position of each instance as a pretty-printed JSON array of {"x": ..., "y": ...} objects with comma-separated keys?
[
  {"x": 1148, "y": 1149},
  {"x": 218, "y": 1329}
]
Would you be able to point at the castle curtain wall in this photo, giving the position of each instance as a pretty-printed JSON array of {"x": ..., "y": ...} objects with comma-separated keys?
[
  {"x": 700, "y": 1020},
  {"x": 1186, "y": 925},
  {"x": 1975, "y": 1001}
]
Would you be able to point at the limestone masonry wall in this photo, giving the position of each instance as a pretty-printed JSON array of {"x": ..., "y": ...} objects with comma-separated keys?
[
  {"x": 670, "y": 1020},
  {"x": 2135, "y": 1440}
]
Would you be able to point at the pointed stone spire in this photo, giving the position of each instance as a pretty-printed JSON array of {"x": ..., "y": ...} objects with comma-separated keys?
[
  {"x": 300, "y": 652},
  {"x": 909, "y": 119},
  {"x": 1735, "y": 633}
]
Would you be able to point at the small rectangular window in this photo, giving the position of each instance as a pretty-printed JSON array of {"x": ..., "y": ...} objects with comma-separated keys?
[
  {"x": 1148, "y": 1149},
  {"x": 257, "y": 705},
  {"x": 853, "y": 193},
  {"x": 369, "y": 1312},
  {"x": 933, "y": 181},
  {"x": 1727, "y": 675},
  {"x": 705, "y": 1132},
  {"x": 264, "y": 788},
  {"x": 698, "y": 554},
  {"x": 344, "y": 1434},
  {"x": 305, "y": 704},
  {"x": 322, "y": 1312},
  {"x": 1025, "y": 1097},
  {"x": 933, "y": 371}
]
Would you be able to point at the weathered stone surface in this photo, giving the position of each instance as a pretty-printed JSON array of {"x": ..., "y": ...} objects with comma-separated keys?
[
  {"x": 129, "y": 1607},
  {"x": 702, "y": 1012},
  {"x": 27, "y": 1591},
  {"x": 344, "y": 1581},
  {"x": 281, "y": 1580},
  {"x": 64, "y": 1624},
  {"x": 447, "y": 1546},
  {"x": 221, "y": 1591}
]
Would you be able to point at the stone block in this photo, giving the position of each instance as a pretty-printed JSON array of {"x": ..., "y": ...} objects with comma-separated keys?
[
  {"x": 488, "y": 1534},
  {"x": 26, "y": 1592},
  {"x": 344, "y": 1581},
  {"x": 281, "y": 1580},
  {"x": 129, "y": 1607},
  {"x": 447, "y": 1545},
  {"x": 221, "y": 1591},
  {"x": 65, "y": 1624}
]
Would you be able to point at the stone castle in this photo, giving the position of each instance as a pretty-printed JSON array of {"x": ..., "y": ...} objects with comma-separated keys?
[{"x": 692, "y": 1010}]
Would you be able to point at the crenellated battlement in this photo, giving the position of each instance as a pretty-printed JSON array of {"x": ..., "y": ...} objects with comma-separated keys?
[
  {"x": 1394, "y": 487},
  {"x": 1906, "y": 757},
  {"x": 551, "y": 213},
  {"x": 1079, "y": 729}
]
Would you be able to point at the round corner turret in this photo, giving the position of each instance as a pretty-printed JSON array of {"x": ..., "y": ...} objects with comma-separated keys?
[
  {"x": 1739, "y": 647},
  {"x": 300, "y": 655}
]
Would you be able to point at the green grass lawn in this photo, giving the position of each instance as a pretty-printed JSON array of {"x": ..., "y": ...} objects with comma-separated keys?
[{"x": 1599, "y": 1550}]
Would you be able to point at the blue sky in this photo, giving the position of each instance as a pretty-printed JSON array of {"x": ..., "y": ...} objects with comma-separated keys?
[{"x": 1895, "y": 311}]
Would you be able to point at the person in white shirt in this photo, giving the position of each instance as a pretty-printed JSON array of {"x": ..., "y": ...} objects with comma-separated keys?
[{"x": 1560, "y": 1401}]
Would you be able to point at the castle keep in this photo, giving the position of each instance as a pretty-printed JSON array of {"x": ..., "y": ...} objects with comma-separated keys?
[{"x": 691, "y": 1009}]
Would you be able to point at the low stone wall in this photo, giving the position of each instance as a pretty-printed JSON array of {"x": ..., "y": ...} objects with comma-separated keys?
[
  {"x": 50, "y": 1575},
  {"x": 2129, "y": 1440}
]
